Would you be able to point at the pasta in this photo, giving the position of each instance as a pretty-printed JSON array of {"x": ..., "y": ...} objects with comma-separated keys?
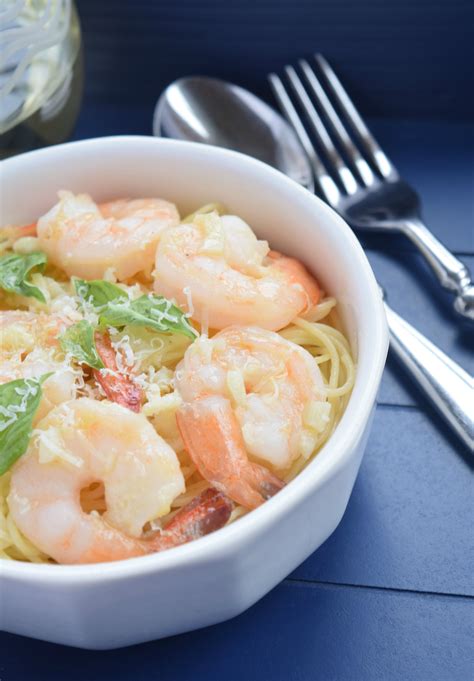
[{"x": 152, "y": 356}]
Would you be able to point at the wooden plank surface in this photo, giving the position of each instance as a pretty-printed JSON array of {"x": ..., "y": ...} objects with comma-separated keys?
[
  {"x": 407, "y": 525},
  {"x": 298, "y": 632}
]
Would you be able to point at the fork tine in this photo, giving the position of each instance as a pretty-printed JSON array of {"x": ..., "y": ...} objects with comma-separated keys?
[
  {"x": 346, "y": 177},
  {"x": 327, "y": 185},
  {"x": 340, "y": 132},
  {"x": 375, "y": 153}
]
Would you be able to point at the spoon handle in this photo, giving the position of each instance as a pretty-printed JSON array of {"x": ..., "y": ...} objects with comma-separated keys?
[{"x": 444, "y": 382}]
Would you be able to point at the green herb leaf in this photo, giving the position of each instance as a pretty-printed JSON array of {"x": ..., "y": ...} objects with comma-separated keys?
[
  {"x": 98, "y": 292},
  {"x": 116, "y": 309},
  {"x": 154, "y": 312},
  {"x": 14, "y": 271},
  {"x": 78, "y": 340},
  {"x": 19, "y": 401}
]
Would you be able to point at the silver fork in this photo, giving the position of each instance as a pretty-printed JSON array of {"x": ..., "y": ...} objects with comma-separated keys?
[{"x": 368, "y": 192}]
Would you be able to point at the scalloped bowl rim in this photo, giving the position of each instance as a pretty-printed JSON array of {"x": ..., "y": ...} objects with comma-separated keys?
[{"x": 326, "y": 464}]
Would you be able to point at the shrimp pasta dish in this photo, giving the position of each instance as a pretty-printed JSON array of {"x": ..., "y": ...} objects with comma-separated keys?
[{"x": 160, "y": 377}]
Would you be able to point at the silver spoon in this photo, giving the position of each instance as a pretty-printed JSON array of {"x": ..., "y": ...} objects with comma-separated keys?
[{"x": 214, "y": 112}]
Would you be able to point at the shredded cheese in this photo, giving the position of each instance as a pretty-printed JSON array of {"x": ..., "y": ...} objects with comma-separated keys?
[
  {"x": 26, "y": 245},
  {"x": 9, "y": 415},
  {"x": 159, "y": 404},
  {"x": 316, "y": 415},
  {"x": 51, "y": 447},
  {"x": 214, "y": 241},
  {"x": 236, "y": 387},
  {"x": 307, "y": 443},
  {"x": 110, "y": 275},
  {"x": 16, "y": 337},
  {"x": 189, "y": 301},
  {"x": 124, "y": 354}
]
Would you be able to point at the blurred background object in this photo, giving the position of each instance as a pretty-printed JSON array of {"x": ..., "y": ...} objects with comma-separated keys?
[{"x": 40, "y": 73}]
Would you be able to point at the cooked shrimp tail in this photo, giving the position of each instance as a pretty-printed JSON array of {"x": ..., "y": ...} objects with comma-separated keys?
[
  {"x": 297, "y": 275},
  {"x": 28, "y": 230},
  {"x": 117, "y": 386},
  {"x": 213, "y": 438},
  {"x": 204, "y": 514}
]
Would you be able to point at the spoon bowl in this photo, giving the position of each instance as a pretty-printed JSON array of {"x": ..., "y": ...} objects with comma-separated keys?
[{"x": 212, "y": 111}]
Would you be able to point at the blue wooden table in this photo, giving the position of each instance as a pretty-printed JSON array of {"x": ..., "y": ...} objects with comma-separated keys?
[{"x": 390, "y": 594}]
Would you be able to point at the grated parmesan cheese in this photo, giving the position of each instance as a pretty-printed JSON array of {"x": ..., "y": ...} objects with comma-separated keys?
[
  {"x": 26, "y": 245},
  {"x": 110, "y": 275},
  {"x": 125, "y": 355},
  {"x": 9, "y": 415},
  {"x": 307, "y": 443},
  {"x": 51, "y": 447},
  {"x": 189, "y": 301},
  {"x": 158, "y": 404},
  {"x": 205, "y": 321},
  {"x": 205, "y": 347},
  {"x": 236, "y": 387},
  {"x": 16, "y": 337},
  {"x": 316, "y": 415},
  {"x": 214, "y": 241}
]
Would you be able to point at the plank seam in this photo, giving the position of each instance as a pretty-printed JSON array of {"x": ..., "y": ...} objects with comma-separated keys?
[{"x": 344, "y": 585}]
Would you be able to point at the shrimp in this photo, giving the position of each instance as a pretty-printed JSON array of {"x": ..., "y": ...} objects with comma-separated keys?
[
  {"x": 86, "y": 239},
  {"x": 245, "y": 393},
  {"x": 117, "y": 386},
  {"x": 82, "y": 442},
  {"x": 224, "y": 275},
  {"x": 29, "y": 348},
  {"x": 11, "y": 233}
]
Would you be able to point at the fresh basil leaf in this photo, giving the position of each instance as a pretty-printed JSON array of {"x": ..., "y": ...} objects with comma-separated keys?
[
  {"x": 78, "y": 340},
  {"x": 116, "y": 309},
  {"x": 14, "y": 272},
  {"x": 98, "y": 292},
  {"x": 152, "y": 311},
  {"x": 19, "y": 401}
]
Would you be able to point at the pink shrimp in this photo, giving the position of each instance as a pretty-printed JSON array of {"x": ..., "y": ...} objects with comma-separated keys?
[
  {"x": 218, "y": 269},
  {"x": 212, "y": 436},
  {"x": 83, "y": 442},
  {"x": 244, "y": 394},
  {"x": 117, "y": 386},
  {"x": 86, "y": 239}
]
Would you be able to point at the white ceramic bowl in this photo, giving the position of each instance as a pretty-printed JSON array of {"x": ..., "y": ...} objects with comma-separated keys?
[{"x": 208, "y": 581}]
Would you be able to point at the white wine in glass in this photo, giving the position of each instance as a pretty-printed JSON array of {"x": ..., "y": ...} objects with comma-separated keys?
[{"x": 40, "y": 73}]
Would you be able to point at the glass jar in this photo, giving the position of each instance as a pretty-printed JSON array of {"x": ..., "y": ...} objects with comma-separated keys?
[{"x": 40, "y": 73}]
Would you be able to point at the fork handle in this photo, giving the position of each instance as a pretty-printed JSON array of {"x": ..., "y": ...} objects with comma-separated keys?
[
  {"x": 451, "y": 272},
  {"x": 444, "y": 382}
]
